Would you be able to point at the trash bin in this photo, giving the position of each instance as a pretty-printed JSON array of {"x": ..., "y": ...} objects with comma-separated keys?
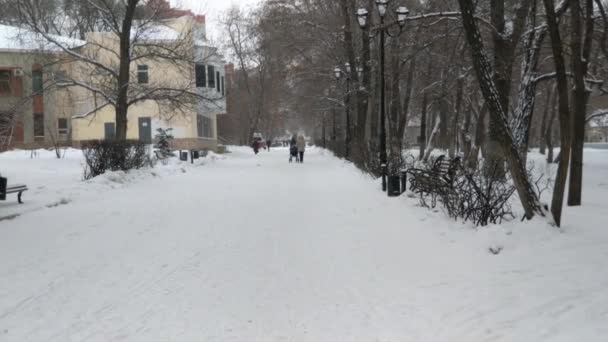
[
  {"x": 195, "y": 154},
  {"x": 403, "y": 181},
  {"x": 183, "y": 156},
  {"x": 394, "y": 186},
  {"x": 3, "y": 186}
]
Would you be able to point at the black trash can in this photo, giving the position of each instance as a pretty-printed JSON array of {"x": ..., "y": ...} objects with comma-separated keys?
[
  {"x": 3, "y": 186},
  {"x": 403, "y": 181},
  {"x": 183, "y": 156},
  {"x": 394, "y": 186},
  {"x": 195, "y": 154}
]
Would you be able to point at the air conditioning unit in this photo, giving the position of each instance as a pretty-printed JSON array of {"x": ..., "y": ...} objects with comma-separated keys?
[{"x": 18, "y": 72}]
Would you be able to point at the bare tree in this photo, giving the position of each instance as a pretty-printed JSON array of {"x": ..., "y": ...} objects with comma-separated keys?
[
  {"x": 502, "y": 131},
  {"x": 136, "y": 34}
]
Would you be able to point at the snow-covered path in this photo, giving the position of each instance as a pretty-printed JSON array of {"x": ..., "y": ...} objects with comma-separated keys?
[{"x": 255, "y": 249}]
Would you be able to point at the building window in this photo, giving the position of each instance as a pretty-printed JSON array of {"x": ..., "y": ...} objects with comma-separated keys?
[
  {"x": 109, "y": 130},
  {"x": 223, "y": 89},
  {"x": 217, "y": 77},
  {"x": 5, "y": 82},
  {"x": 62, "y": 126},
  {"x": 204, "y": 126},
  {"x": 142, "y": 74},
  {"x": 201, "y": 75},
  {"x": 37, "y": 81},
  {"x": 61, "y": 78},
  {"x": 38, "y": 125},
  {"x": 211, "y": 72}
]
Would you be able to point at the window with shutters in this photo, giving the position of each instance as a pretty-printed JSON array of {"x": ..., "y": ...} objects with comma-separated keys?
[
  {"x": 201, "y": 75},
  {"x": 39, "y": 125},
  {"x": 61, "y": 78},
  {"x": 62, "y": 126},
  {"x": 217, "y": 77},
  {"x": 142, "y": 74},
  {"x": 5, "y": 82},
  {"x": 37, "y": 87},
  {"x": 211, "y": 81},
  {"x": 204, "y": 126}
]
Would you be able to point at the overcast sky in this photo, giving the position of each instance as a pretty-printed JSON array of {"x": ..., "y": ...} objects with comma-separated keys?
[{"x": 212, "y": 9}]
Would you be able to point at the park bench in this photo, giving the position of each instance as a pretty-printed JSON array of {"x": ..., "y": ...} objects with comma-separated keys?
[
  {"x": 432, "y": 181},
  {"x": 13, "y": 189}
]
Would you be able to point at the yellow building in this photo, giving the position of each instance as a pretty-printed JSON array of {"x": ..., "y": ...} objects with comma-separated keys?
[{"x": 197, "y": 69}]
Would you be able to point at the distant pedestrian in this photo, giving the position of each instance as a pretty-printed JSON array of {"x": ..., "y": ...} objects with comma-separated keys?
[
  {"x": 256, "y": 145},
  {"x": 301, "y": 144},
  {"x": 293, "y": 149},
  {"x": 268, "y": 144}
]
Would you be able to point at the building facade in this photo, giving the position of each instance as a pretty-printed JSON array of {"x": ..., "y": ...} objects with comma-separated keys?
[
  {"x": 33, "y": 109},
  {"x": 37, "y": 110},
  {"x": 194, "y": 127}
]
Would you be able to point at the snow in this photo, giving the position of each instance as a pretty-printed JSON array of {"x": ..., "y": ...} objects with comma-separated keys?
[
  {"x": 14, "y": 38},
  {"x": 250, "y": 248}
]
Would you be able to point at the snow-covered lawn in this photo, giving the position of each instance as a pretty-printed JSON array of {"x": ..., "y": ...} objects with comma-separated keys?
[{"x": 251, "y": 248}]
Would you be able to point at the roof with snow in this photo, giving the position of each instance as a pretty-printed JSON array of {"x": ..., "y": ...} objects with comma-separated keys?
[
  {"x": 17, "y": 39},
  {"x": 155, "y": 33}
]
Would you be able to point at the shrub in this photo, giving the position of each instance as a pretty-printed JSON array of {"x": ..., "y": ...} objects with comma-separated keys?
[
  {"x": 110, "y": 155},
  {"x": 163, "y": 146}
]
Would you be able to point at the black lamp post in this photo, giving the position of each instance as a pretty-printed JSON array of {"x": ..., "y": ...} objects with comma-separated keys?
[{"x": 363, "y": 18}]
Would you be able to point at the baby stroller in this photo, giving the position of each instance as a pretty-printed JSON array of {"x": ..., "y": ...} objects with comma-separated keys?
[{"x": 293, "y": 153}]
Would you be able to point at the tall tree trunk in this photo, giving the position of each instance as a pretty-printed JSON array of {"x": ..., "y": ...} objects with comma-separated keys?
[
  {"x": 354, "y": 76},
  {"x": 465, "y": 135},
  {"x": 122, "y": 99},
  {"x": 363, "y": 92},
  {"x": 564, "y": 112},
  {"x": 545, "y": 119},
  {"x": 444, "y": 109},
  {"x": 521, "y": 121},
  {"x": 484, "y": 71},
  {"x": 581, "y": 52},
  {"x": 480, "y": 137},
  {"x": 430, "y": 145},
  {"x": 408, "y": 97},
  {"x": 454, "y": 145},
  {"x": 422, "y": 137}
]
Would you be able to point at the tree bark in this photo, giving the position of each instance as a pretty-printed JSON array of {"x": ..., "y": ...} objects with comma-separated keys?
[
  {"x": 581, "y": 52},
  {"x": 454, "y": 146},
  {"x": 564, "y": 112},
  {"x": 483, "y": 69},
  {"x": 363, "y": 93},
  {"x": 422, "y": 137},
  {"x": 122, "y": 99}
]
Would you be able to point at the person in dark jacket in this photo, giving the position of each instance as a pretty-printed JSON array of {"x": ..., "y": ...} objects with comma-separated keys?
[
  {"x": 257, "y": 143},
  {"x": 293, "y": 150}
]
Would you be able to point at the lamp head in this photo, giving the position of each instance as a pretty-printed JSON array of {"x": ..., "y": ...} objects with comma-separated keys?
[
  {"x": 402, "y": 13},
  {"x": 362, "y": 16},
  {"x": 382, "y": 5},
  {"x": 337, "y": 72}
]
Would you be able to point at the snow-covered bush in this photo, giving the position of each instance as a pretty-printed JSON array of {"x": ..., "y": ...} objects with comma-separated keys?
[
  {"x": 163, "y": 145},
  {"x": 106, "y": 155},
  {"x": 474, "y": 195}
]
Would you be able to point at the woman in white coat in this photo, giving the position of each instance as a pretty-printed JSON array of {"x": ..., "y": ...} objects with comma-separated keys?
[{"x": 301, "y": 143}]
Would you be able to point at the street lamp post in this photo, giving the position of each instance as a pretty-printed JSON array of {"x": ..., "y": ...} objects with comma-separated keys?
[{"x": 363, "y": 17}]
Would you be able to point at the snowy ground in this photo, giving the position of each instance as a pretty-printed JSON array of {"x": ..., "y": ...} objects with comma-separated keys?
[{"x": 251, "y": 248}]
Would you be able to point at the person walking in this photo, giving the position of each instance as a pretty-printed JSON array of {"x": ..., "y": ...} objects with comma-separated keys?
[
  {"x": 301, "y": 144},
  {"x": 293, "y": 149}
]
